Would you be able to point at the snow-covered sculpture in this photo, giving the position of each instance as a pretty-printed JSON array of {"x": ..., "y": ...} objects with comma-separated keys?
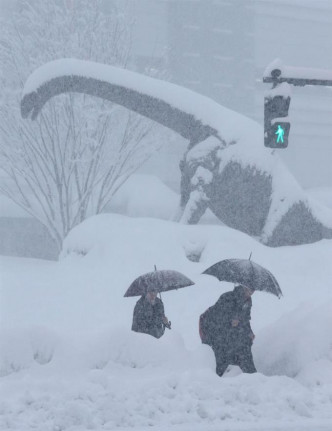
[{"x": 226, "y": 167}]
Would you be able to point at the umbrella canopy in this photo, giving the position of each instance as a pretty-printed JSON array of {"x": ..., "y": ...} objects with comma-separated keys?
[
  {"x": 159, "y": 281},
  {"x": 247, "y": 273}
]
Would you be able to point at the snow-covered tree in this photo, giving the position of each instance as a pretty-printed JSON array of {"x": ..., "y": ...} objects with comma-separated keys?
[{"x": 68, "y": 164}]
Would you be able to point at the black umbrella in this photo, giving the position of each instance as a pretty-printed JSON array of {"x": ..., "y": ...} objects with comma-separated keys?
[
  {"x": 159, "y": 281},
  {"x": 247, "y": 273}
]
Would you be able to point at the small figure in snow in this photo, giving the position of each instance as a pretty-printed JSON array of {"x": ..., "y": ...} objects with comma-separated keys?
[
  {"x": 226, "y": 328},
  {"x": 149, "y": 315}
]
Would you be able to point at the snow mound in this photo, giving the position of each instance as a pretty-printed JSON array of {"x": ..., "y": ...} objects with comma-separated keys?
[
  {"x": 108, "y": 349},
  {"x": 117, "y": 379},
  {"x": 145, "y": 196},
  {"x": 298, "y": 341},
  {"x": 69, "y": 361}
]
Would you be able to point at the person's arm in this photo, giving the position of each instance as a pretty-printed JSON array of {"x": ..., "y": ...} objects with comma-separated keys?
[
  {"x": 138, "y": 318},
  {"x": 164, "y": 319},
  {"x": 249, "y": 330},
  {"x": 246, "y": 317},
  {"x": 134, "y": 326},
  {"x": 205, "y": 327}
]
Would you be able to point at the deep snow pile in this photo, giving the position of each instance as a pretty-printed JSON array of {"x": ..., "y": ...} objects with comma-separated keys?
[
  {"x": 119, "y": 380},
  {"x": 69, "y": 361},
  {"x": 145, "y": 195}
]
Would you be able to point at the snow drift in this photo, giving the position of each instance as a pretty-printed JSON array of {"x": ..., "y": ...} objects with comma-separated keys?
[{"x": 69, "y": 361}]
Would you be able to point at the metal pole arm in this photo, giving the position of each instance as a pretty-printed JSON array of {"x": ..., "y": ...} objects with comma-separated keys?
[
  {"x": 298, "y": 76},
  {"x": 299, "y": 82}
]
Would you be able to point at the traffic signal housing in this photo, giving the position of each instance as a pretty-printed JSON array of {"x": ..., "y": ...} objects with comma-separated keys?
[{"x": 276, "y": 124}]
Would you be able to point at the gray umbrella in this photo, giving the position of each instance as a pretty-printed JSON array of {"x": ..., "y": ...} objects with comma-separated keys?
[
  {"x": 158, "y": 281},
  {"x": 247, "y": 273}
]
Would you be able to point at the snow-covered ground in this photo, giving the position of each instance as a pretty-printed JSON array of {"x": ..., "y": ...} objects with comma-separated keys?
[{"x": 69, "y": 361}]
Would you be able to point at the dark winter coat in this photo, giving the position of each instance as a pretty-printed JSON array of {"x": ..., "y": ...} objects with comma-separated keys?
[
  {"x": 148, "y": 318},
  {"x": 216, "y": 323}
]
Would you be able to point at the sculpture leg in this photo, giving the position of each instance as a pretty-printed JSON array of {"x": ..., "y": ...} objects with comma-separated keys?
[{"x": 195, "y": 207}]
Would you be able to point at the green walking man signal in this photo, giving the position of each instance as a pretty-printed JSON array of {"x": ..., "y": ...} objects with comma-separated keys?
[{"x": 280, "y": 132}]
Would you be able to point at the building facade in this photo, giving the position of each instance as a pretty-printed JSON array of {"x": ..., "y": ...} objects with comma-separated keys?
[
  {"x": 212, "y": 50},
  {"x": 220, "y": 48}
]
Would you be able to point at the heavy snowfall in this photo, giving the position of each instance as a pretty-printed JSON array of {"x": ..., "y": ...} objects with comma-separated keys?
[{"x": 69, "y": 360}]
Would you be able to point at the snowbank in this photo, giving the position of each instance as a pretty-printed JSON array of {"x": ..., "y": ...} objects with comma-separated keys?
[
  {"x": 69, "y": 361},
  {"x": 301, "y": 340},
  {"x": 145, "y": 196},
  {"x": 118, "y": 379}
]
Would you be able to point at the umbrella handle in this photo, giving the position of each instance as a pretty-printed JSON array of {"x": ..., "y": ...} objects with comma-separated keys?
[{"x": 168, "y": 325}]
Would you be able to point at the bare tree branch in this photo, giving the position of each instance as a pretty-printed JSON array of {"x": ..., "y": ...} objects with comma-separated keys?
[{"x": 68, "y": 164}]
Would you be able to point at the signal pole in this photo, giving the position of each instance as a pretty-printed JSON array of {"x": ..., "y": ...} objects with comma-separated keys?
[{"x": 277, "y": 101}]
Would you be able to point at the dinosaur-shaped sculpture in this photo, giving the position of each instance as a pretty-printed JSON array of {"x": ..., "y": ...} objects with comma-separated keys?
[{"x": 226, "y": 167}]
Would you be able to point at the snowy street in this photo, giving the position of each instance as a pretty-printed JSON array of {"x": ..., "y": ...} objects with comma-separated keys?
[{"x": 69, "y": 359}]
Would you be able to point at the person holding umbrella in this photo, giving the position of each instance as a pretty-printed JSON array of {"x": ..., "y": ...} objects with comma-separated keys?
[
  {"x": 226, "y": 325},
  {"x": 226, "y": 328},
  {"x": 149, "y": 315}
]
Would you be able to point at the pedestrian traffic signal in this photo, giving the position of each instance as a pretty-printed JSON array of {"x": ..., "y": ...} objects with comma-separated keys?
[{"x": 276, "y": 126}]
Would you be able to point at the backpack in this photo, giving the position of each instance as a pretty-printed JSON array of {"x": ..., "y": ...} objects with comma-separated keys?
[{"x": 203, "y": 326}]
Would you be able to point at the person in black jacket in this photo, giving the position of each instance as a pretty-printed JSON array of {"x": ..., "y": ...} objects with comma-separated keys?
[
  {"x": 149, "y": 315},
  {"x": 226, "y": 328}
]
